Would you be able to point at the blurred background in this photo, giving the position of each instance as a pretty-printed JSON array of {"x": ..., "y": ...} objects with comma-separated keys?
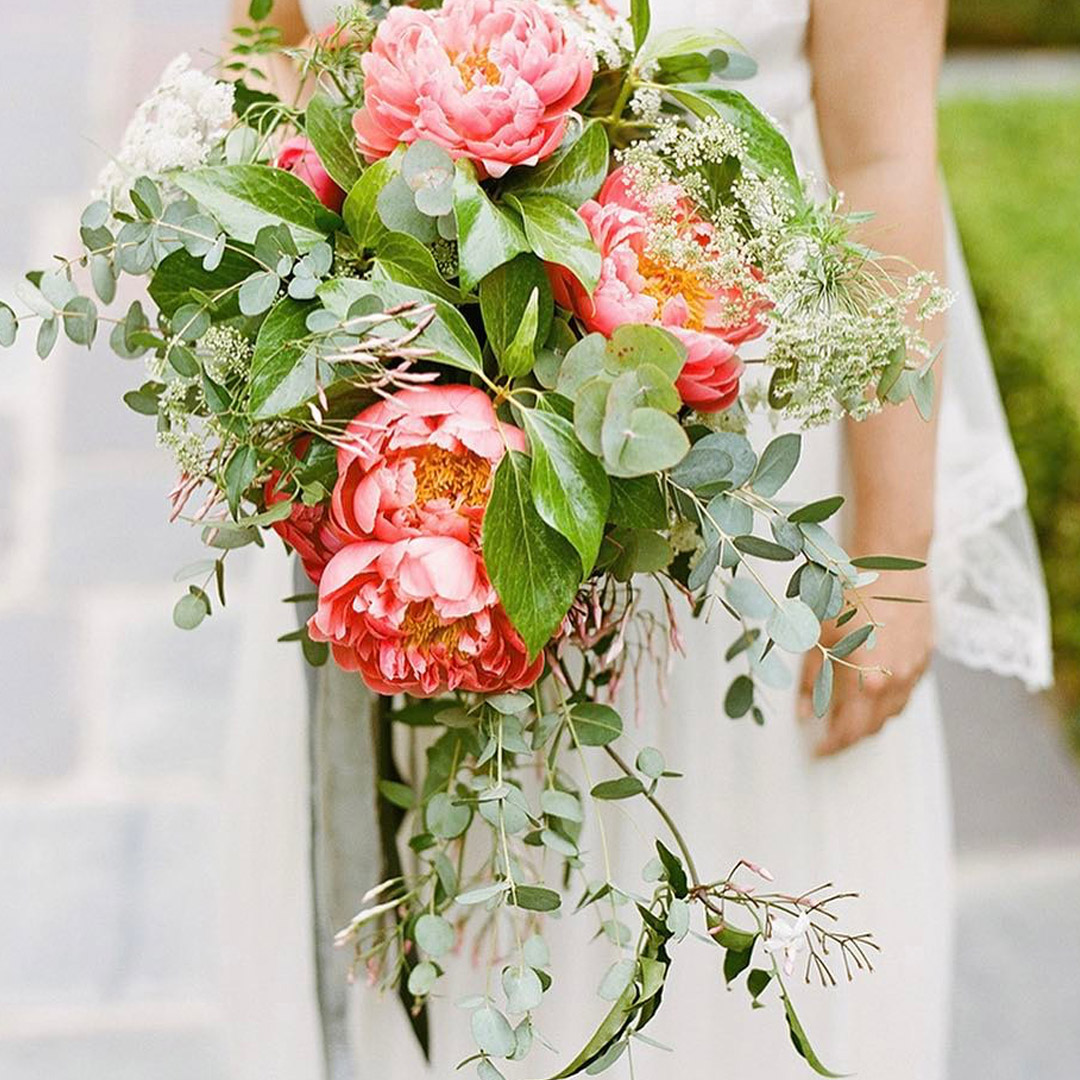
[{"x": 114, "y": 731}]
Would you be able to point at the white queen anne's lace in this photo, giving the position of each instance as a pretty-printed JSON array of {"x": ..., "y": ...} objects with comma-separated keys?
[{"x": 176, "y": 127}]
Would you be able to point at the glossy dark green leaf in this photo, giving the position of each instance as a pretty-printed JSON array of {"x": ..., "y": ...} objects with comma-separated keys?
[
  {"x": 504, "y": 295},
  {"x": 801, "y": 1041},
  {"x": 488, "y": 235},
  {"x": 569, "y": 486},
  {"x": 179, "y": 273},
  {"x": 574, "y": 173},
  {"x": 360, "y": 210},
  {"x": 402, "y": 258},
  {"x": 557, "y": 234},
  {"x": 283, "y": 367},
  {"x": 247, "y": 198},
  {"x": 534, "y": 570},
  {"x": 329, "y": 127},
  {"x": 637, "y": 502}
]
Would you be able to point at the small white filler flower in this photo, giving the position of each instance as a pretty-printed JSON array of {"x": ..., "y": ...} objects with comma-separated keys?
[{"x": 787, "y": 939}]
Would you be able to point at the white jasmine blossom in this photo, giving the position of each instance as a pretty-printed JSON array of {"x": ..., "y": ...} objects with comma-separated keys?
[
  {"x": 185, "y": 117},
  {"x": 788, "y": 940}
]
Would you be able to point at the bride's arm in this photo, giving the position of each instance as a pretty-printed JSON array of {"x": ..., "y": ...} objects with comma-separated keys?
[{"x": 876, "y": 65}]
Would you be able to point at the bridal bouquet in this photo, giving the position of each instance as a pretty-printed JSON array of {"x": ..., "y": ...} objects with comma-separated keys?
[{"x": 477, "y": 329}]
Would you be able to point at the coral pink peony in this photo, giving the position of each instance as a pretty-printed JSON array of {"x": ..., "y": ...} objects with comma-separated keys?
[
  {"x": 420, "y": 462},
  {"x": 298, "y": 156},
  {"x": 487, "y": 80},
  {"x": 634, "y": 288},
  {"x": 419, "y": 616},
  {"x": 407, "y": 601}
]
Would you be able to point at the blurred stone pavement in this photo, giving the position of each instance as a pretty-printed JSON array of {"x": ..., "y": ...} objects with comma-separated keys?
[{"x": 113, "y": 725}]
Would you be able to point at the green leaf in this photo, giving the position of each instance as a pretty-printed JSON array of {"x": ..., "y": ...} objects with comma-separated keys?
[
  {"x": 9, "y": 326},
  {"x": 520, "y": 355},
  {"x": 848, "y": 644},
  {"x": 922, "y": 392},
  {"x": 504, "y": 296},
  {"x": 674, "y": 870},
  {"x": 763, "y": 549},
  {"x": 767, "y": 149},
  {"x": 595, "y": 724},
  {"x": 684, "y": 40},
  {"x": 716, "y": 463},
  {"x": 434, "y": 935},
  {"x": 191, "y": 609},
  {"x": 535, "y": 898},
  {"x": 611, "y": 1028},
  {"x": 887, "y": 562},
  {"x": 800, "y": 1040},
  {"x": 569, "y": 486},
  {"x": 757, "y": 981},
  {"x": 488, "y": 235},
  {"x": 260, "y": 9},
  {"x": 625, "y": 787},
  {"x": 258, "y": 292},
  {"x": 48, "y": 332},
  {"x": 534, "y": 570},
  {"x": 449, "y": 335},
  {"x": 247, "y": 198},
  {"x": 329, "y": 127},
  {"x": 557, "y": 234},
  {"x": 823, "y": 688},
  {"x": 821, "y": 510},
  {"x": 81, "y": 320},
  {"x": 793, "y": 626},
  {"x": 522, "y": 988},
  {"x": 735, "y": 963},
  {"x": 640, "y": 17},
  {"x": 180, "y": 273},
  {"x": 561, "y": 804},
  {"x": 740, "y": 697},
  {"x": 648, "y": 441},
  {"x": 402, "y": 258},
  {"x": 239, "y": 473},
  {"x": 283, "y": 367},
  {"x": 360, "y": 210},
  {"x": 492, "y": 1032},
  {"x": 637, "y": 502},
  {"x": 778, "y": 461},
  {"x": 748, "y": 598},
  {"x": 573, "y": 174},
  {"x": 397, "y": 794}
]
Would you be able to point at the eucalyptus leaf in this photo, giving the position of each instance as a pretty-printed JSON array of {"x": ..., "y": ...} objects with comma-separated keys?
[
  {"x": 777, "y": 463},
  {"x": 793, "y": 626},
  {"x": 492, "y": 1032},
  {"x": 434, "y": 935}
]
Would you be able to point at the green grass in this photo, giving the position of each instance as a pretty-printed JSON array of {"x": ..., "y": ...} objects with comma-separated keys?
[
  {"x": 1014, "y": 22},
  {"x": 1013, "y": 169}
]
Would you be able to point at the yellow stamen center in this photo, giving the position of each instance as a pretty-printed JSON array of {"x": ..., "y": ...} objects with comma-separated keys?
[
  {"x": 664, "y": 282},
  {"x": 461, "y": 478},
  {"x": 424, "y": 630},
  {"x": 478, "y": 69}
]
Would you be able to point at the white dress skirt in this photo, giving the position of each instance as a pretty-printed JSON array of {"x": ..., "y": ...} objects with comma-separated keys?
[{"x": 874, "y": 819}]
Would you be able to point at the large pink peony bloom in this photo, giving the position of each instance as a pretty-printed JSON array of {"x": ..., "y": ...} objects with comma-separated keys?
[
  {"x": 421, "y": 462},
  {"x": 419, "y": 616},
  {"x": 635, "y": 289},
  {"x": 407, "y": 601},
  {"x": 299, "y": 157},
  {"x": 487, "y": 80}
]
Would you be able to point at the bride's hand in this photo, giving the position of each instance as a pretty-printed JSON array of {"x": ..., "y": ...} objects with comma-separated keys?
[{"x": 903, "y": 650}]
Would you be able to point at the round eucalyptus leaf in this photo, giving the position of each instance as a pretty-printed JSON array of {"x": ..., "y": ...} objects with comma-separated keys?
[
  {"x": 595, "y": 724},
  {"x": 561, "y": 804},
  {"x": 523, "y": 1040},
  {"x": 189, "y": 612},
  {"x": 9, "y": 326},
  {"x": 486, "y": 1071},
  {"x": 445, "y": 818},
  {"x": 492, "y": 1032},
  {"x": 81, "y": 320},
  {"x": 558, "y": 843},
  {"x": 95, "y": 215},
  {"x": 678, "y": 918},
  {"x": 793, "y": 626},
  {"x": 650, "y": 763},
  {"x": 536, "y": 952},
  {"x": 422, "y": 978},
  {"x": 748, "y": 598},
  {"x": 103, "y": 278},
  {"x": 259, "y": 292},
  {"x": 522, "y": 988},
  {"x": 616, "y": 979},
  {"x": 434, "y": 935}
]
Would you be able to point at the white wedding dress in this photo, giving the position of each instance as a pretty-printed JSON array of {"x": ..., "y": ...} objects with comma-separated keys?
[{"x": 874, "y": 819}]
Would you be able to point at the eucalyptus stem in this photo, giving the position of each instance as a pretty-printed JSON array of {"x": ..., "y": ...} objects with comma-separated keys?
[{"x": 668, "y": 820}]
